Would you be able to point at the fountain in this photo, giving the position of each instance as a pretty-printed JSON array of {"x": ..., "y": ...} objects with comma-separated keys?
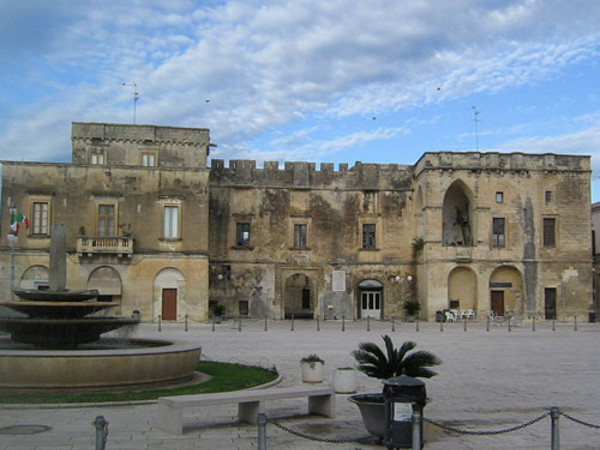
[{"x": 56, "y": 340}]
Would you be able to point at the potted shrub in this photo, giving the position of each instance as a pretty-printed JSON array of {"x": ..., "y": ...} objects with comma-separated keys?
[
  {"x": 411, "y": 308},
  {"x": 344, "y": 380},
  {"x": 312, "y": 369},
  {"x": 218, "y": 312},
  {"x": 385, "y": 364}
]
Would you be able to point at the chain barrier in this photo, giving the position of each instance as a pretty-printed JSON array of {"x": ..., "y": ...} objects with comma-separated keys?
[
  {"x": 579, "y": 421},
  {"x": 486, "y": 433},
  {"x": 316, "y": 438}
]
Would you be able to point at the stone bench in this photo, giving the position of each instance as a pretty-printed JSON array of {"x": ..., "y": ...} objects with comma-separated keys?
[{"x": 321, "y": 401}]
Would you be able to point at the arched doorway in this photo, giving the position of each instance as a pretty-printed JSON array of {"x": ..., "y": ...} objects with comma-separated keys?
[
  {"x": 462, "y": 289},
  {"x": 370, "y": 299},
  {"x": 169, "y": 286},
  {"x": 506, "y": 292},
  {"x": 299, "y": 297},
  {"x": 35, "y": 277},
  {"x": 108, "y": 282},
  {"x": 457, "y": 216}
]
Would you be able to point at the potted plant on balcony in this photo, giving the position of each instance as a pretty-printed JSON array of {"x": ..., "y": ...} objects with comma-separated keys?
[
  {"x": 312, "y": 369},
  {"x": 411, "y": 308},
  {"x": 384, "y": 364}
]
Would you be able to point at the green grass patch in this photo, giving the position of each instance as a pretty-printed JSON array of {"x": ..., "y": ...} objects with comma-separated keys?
[{"x": 225, "y": 377}]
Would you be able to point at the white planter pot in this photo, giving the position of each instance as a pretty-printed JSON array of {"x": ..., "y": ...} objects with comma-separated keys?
[
  {"x": 312, "y": 372},
  {"x": 344, "y": 381}
]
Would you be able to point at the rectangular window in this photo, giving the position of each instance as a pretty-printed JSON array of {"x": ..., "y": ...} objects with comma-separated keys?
[
  {"x": 499, "y": 197},
  {"x": 40, "y": 218},
  {"x": 97, "y": 158},
  {"x": 368, "y": 235},
  {"x": 148, "y": 159},
  {"x": 498, "y": 237},
  {"x": 300, "y": 235},
  {"x": 549, "y": 232},
  {"x": 106, "y": 220},
  {"x": 548, "y": 196},
  {"x": 171, "y": 222},
  {"x": 243, "y": 235}
]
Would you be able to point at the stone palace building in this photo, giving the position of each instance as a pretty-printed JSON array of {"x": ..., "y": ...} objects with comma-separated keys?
[{"x": 154, "y": 228}]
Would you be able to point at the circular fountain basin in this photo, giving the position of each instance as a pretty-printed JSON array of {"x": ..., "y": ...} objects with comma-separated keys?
[
  {"x": 53, "y": 296},
  {"x": 106, "y": 363},
  {"x": 59, "y": 310}
]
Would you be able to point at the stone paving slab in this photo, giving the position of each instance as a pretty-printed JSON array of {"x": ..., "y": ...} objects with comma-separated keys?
[{"x": 489, "y": 380}]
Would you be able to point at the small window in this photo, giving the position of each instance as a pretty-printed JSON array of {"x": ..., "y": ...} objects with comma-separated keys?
[
  {"x": 549, "y": 195},
  {"x": 369, "y": 236},
  {"x": 148, "y": 159},
  {"x": 171, "y": 222},
  {"x": 243, "y": 235},
  {"x": 300, "y": 231},
  {"x": 549, "y": 232},
  {"x": 97, "y": 158},
  {"x": 40, "y": 219},
  {"x": 498, "y": 237},
  {"x": 499, "y": 197},
  {"x": 243, "y": 307}
]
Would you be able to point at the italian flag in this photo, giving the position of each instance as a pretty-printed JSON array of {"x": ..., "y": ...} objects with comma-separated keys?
[{"x": 15, "y": 220}]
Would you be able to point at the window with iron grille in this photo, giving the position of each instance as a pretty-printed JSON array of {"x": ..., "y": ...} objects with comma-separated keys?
[
  {"x": 498, "y": 236},
  {"x": 368, "y": 235},
  {"x": 549, "y": 232},
  {"x": 300, "y": 232},
  {"x": 243, "y": 234}
]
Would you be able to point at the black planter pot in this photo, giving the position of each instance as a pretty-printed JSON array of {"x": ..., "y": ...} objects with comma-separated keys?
[{"x": 371, "y": 408}]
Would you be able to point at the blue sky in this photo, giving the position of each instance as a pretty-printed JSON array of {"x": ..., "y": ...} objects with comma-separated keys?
[{"x": 323, "y": 81}]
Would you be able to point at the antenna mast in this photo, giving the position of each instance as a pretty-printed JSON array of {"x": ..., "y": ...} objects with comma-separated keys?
[
  {"x": 476, "y": 120},
  {"x": 136, "y": 96}
]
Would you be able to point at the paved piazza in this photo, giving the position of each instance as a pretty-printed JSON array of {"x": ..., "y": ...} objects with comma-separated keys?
[{"x": 489, "y": 380}]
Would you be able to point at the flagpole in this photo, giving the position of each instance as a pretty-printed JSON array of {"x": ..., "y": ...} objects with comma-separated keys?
[{"x": 12, "y": 239}]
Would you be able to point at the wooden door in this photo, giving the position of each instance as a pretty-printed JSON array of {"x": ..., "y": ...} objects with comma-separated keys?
[
  {"x": 169, "y": 304},
  {"x": 498, "y": 302},
  {"x": 550, "y": 303}
]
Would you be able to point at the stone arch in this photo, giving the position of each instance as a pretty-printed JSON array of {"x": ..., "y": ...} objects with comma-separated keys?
[
  {"x": 108, "y": 282},
  {"x": 457, "y": 215},
  {"x": 506, "y": 291},
  {"x": 370, "y": 299},
  {"x": 299, "y": 297},
  {"x": 462, "y": 288},
  {"x": 35, "y": 277},
  {"x": 169, "y": 289}
]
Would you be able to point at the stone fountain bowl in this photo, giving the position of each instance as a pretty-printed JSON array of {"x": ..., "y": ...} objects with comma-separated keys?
[
  {"x": 56, "y": 296},
  {"x": 111, "y": 362}
]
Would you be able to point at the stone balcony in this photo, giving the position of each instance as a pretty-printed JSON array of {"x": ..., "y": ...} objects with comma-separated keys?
[{"x": 114, "y": 245}]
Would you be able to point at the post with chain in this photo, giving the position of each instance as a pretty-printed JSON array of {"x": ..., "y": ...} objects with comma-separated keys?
[
  {"x": 266, "y": 323},
  {"x": 555, "y": 435},
  {"x": 533, "y": 323},
  {"x": 416, "y": 430},
  {"x": 213, "y": 323},
  {"x": 240, "y": 324},
  {"x": 441, "y": 325},
  {"x": 368, "y": 323},
  {"x": 393, "y": 325},
  {"x": 343, "y": 323},
  {"x": 487, "y": 324},
  {"x": 262, "y": 431},
  {"x": 101, "y": 432},
  {"x": 417, "y": 326},
  {"x": 186, "y": 322},
  {"x": 318, "y": 323},
  {"x": 292, "y": 329},
  {"x": 553, "y": 324},
  {"x": 575, "y": 326},
  {"x": 465, "y": 325},
  {"x": 159, "y": 322}
]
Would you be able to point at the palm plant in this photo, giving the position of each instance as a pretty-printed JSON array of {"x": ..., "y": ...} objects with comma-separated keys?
[{"x": 376, "y": 363}]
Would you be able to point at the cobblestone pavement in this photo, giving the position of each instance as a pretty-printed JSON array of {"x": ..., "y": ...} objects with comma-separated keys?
[{"x": 489, "y": 380}]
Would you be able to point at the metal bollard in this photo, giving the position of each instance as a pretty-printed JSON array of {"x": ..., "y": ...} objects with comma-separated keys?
[
  {"x": 441, "y": 326},
  {"x": 487, "y": 324},
  {"x": 186, "y": 322},
  {"x": 101, "y": 432},
  {"x": 292, "y": 323},
  {"x": 533, "y": 323},
  {"x": 318, "y": 324},
  {"x": 159, "y": 322},
  {"x": 465, "y": 327},
  {"x": 265, "y": 323},
  {"x": 553, "y": 324},
  {"x": 509, "y": 325},
  {"x": 343, "y": 323},
  {"x": 575, "y": 326},
  {"x": 416, "y": 430},
  {"x": 555, "y": 434},
  {"x": 417, "y": 324},
  {"x": 213, "y": 323},
  {"x": 368, "y": 323},
  {"x": 262, "y": 431},
  {"x": 393, "y": 325},
  {"x": 240, "y": 324}
]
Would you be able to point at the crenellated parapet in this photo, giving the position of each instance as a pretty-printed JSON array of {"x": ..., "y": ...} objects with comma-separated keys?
[{"x": 305, "y": 175}]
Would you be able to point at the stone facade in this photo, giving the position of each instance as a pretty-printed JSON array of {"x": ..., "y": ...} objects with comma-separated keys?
[{"x": 508, "y": 233}]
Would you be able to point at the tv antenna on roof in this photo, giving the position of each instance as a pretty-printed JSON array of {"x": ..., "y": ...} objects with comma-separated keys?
[
  {"x": 136, "y": 96},
  {"x": 476, "y": 120}
]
